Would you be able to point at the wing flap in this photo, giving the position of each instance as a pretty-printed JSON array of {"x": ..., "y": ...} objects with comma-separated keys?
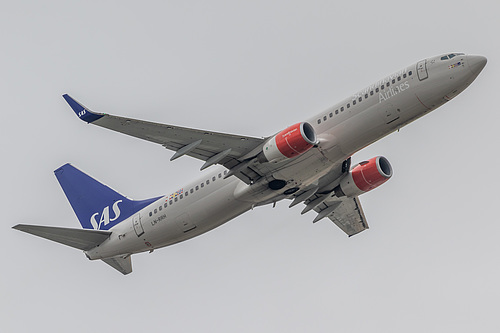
[
  {"x": 83, "y": 239},
  {"x": 348, "y": 215}
]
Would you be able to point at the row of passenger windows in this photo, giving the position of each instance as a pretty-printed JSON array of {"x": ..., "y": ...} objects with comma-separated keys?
[
  {"x": 360, "y": 99},
  {"x": 186, "y": 194}
]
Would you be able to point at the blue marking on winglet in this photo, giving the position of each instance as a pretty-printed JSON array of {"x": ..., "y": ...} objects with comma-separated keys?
[
  {"x": 82, "y": 112},
  {"x": 96, "y": 205}
]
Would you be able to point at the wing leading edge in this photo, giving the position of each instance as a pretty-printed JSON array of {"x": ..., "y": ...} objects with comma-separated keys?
[{"x": 212, "y": 147}]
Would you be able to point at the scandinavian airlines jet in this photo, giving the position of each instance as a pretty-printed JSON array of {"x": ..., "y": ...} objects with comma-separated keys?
[{"x": 308, "y": 162}]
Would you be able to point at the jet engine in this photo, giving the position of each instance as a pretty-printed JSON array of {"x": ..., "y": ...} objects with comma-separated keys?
[
  {"x": 365, "y": 177},
  {"x": 289, "y": 143}
]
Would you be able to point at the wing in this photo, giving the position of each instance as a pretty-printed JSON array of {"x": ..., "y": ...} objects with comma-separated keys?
[
  {"x": 232, "y": 151},
  {"x": 345, "y": 212}
]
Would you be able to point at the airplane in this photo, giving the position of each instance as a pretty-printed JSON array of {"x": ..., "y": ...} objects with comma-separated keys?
[{"x": 308, "y": 162}]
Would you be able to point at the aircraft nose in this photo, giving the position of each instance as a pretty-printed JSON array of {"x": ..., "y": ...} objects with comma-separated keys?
[{"x": 476, "y": 63}]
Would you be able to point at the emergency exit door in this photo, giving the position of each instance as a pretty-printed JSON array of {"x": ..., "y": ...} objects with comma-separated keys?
[{"x": 422, "y": 70}]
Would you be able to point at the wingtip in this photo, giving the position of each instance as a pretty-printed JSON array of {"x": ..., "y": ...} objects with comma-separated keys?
[{"x": 81, "y": 111}]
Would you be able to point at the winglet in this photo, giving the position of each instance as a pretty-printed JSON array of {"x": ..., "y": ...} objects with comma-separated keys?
[{"x": 81, "y": 111}]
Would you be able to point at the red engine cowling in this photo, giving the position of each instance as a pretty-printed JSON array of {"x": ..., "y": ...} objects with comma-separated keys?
[
  {"x": 365, "y": 177},
  {"x": 289, "y": 143}
]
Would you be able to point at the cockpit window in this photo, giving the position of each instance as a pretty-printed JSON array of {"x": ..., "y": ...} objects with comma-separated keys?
[{"x": 452, "y": 55}]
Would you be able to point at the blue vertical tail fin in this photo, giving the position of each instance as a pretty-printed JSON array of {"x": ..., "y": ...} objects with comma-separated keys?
[{"x": 96, "y": 205}]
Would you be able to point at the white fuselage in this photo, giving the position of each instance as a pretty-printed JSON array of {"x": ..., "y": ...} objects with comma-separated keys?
[{"x": 342, "y": 130}]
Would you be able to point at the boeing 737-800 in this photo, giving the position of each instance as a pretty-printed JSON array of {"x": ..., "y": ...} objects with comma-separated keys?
[{"x": 308, "y": 162}]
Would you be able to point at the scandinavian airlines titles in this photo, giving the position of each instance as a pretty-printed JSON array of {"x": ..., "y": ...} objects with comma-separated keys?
[{"x": 387, "y": 92}]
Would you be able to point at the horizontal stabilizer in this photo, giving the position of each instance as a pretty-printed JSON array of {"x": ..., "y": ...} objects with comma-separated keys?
[
  {"x": 82, "y": 239},
  {"x": 122, "y": 265}
]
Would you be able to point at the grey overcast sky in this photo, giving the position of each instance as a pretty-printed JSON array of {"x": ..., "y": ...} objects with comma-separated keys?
[{"x": 428, "y": 263}]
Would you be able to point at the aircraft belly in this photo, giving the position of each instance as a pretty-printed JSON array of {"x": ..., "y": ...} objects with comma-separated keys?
[
  {"x": 351, "y": 135},
  {"x": 123, "y": 240},
  {"x": 189, "y": 219},
  {"x": 355, "y": 132}
]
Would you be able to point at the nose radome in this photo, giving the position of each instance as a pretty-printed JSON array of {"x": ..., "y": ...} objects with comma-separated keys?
[{"x": 476, "y": 63}]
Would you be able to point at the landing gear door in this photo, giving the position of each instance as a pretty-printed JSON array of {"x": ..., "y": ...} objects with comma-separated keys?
[
  {"x": 422, "y": 70},
  {"x": 391, "y": 113},
  {"x": 136, "y": 221},
  {"x": 184, "y": 222}
]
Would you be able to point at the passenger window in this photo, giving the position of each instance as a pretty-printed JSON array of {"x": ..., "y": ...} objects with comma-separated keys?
[
  {"x": 324, "y": 118},
  {"x": 170, "y": 202},
  {"x": 165, "y": 205},
  {"x": 208, "y": 182},
  {"x": 331, "y": 114},
  {"x": 150, "y": 214},
  {"x": 225, "y": 172},
  {"x": 336, "y": 111},
  {"x": 387, "y": 84},
  {"x": 213, "y": 178},
  {"x": 348, "y": 105},
  {"x": 376, "y": 90},
  {"x": 366, "y": 96},
  {"x": 175, "y": 199},
  {"x": 404, "y": 76},
  {"x": 319, "y": 121},
  {"x": 410, "y": 72},
  {"x": 191, "y": 190},
  {"x": 156, "y": 211},
  {"x": 393, "y": 81},
  {"x": 197, "y": 188},
  {"x": 220, "y": 175},
  {"x": 182, "y": 196},
  {"x": 382, "y": 87},
  {"x": 361, "y": 98},
  {"x": 399, "y": 78},
  {"x": 186, "y": 194},
  {"x": 371, "y": 93},
  {"x": 160, "y": 208},
  {"x": 341, "y": 109},
  {"x": 202, "y": 185},
  {"x": 353, "y": 103}
]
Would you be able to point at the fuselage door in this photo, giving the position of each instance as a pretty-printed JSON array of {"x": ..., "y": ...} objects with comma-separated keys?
[
  {"x": 136, "y": 221},
  {"x": 422, "y": 70}
]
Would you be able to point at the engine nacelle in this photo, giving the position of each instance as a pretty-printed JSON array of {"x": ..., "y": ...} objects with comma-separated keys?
[
  {"x": 289, "y": 143},
  {"x": 365, "y": 177}
]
